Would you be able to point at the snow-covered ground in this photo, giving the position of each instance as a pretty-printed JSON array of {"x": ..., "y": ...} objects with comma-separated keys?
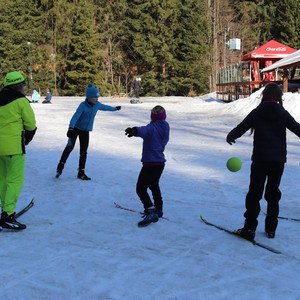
[{"x": 78, "y": 245}]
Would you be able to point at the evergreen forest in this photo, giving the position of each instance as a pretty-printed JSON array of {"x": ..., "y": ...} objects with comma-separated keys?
[{"x": 175, "y": 46}]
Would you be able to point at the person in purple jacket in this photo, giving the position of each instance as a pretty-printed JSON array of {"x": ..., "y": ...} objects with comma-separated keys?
[
  {"x": 155, "y": 137},
  {"x": 80, "y": 125}
]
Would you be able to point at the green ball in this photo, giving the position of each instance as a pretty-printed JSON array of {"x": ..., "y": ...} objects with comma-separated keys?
[{"x": 234, "y": 164}]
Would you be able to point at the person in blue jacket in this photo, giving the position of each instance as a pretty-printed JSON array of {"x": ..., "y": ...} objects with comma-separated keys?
[
  {"x": 155, "y": 137},
  {"x": 80, "y": 125}
]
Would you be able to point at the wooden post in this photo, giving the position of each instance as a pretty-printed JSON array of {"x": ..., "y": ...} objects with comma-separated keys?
[{"x": 285, "y": 80}]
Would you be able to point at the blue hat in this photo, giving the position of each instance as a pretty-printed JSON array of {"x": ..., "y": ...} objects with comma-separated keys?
[{"x": 92, "y": 92}]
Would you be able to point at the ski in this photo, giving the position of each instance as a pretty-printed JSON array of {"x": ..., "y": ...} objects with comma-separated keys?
[
  {"x": 125, "y": 208},
  {"x": 286, "y": 218},
  {"x": 117, "y": 205},
  {"x": 25, "y": 209},
  {"x": 234, "y": 233},
  {"x": 289, "y": 219}
]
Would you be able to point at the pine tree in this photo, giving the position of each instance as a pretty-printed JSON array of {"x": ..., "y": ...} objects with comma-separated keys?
[
  {"x": 65, "y": 44},
  {"x": 268, "y": 19},
  {"x": 191, "y": 51},
  {"x": 113, "y": 69},
  {"x": 22, "y": 30},
  {"x": 166, "y": 41},
  {"x": 74, "y": 38},
  {"x": 247, "y": 19},
  {"x": 285, "y": 26}
]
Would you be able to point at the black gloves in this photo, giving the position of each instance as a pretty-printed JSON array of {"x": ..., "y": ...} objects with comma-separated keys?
[
  {"x": 118, "y": 107},
  {"x": 130, "y": 131},
  {"x": 230, "y": 140},
  {"x": 70, "y": 133},
  {"x": 28, "y": 135}
]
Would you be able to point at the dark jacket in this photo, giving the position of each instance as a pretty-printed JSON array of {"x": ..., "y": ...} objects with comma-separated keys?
[{"x": 269, "y": 121}]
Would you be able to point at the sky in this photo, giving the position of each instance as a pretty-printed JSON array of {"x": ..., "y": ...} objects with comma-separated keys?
[{"x": 78, "y": 245}]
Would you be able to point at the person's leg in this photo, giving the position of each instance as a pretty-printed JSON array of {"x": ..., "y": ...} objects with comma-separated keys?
[
  {"x": 147, "y": 178},
  {"x": 143, "y": 182},
  {"x": 254, "y": 195},
  {"x": 138, "y": 92},
  {"x": 273, "y": 196},
  {"x": 84, "y": 144},
  {"x": 3, "y": 183},
  {"x": 67, "y": 151},
  {"x": 155, "y": 188},
  {"x": 15, "y": 166}
]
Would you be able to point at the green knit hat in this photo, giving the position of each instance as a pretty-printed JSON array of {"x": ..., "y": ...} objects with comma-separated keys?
[{"x": 13, "y": 78}]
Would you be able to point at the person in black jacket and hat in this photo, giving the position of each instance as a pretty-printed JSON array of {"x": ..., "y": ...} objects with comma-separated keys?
[{"x": 268, "y": 123}]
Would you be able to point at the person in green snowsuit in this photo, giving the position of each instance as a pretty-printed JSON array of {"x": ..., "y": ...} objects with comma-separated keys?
[{"x": 17, "y": 128}]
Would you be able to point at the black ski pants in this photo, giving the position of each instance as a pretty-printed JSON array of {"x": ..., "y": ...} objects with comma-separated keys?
[
  {"x": 262, "y": 171},
  {"x": 83, "y": 143},
  {"x": 149, "y": 178}
]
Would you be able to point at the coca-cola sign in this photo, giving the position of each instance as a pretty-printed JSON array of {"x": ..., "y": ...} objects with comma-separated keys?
[{"x": 277, "y": 49}]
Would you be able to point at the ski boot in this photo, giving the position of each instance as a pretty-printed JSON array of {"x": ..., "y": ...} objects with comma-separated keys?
[
  {"x": 81, "y": 175},
  {"x": 10, "y": 222},
  {"x": 150, "y": 217},
  {"x": 270, "y": 233},
  {"x": 246, "y": 234},
  {"x": 59, "y": 169}
]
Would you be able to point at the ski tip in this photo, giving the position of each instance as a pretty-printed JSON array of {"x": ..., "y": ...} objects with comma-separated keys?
[{"x": 118, "y": 205}]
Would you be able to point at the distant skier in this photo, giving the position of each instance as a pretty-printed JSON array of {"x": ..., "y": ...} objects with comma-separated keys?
[
  {"x": 155, "y": 137},
  {"x": 80, "y": 125},
  {"x": 136, "y": 87}
]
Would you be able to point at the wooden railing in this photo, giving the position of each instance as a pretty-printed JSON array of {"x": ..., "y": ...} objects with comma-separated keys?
[{"x": 228, "y": 92}]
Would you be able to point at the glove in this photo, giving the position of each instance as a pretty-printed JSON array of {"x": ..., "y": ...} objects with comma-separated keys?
[
  {"x": 70, "y": 133},
  {"x": 118, "y": 107},
  {"x": 28, "y": 135},
  {"x": 230, "y": 140},
  {"x": 130, "y": 131}
]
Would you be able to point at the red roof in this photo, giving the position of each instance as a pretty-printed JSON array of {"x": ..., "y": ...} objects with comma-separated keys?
[{"x": 272, "y": 50}]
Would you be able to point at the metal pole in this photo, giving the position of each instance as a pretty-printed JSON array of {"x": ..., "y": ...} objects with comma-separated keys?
[
  {"x": 30, "y": 66},
  {"x": 225, "y": 45},
  {"x": 53, "y": 59},
  {"x": 225, "y": 38}
]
